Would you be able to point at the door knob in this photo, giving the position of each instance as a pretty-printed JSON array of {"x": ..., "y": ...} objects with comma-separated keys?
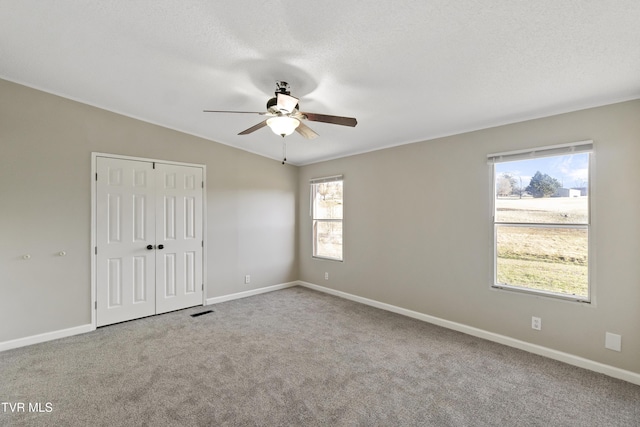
[
  {"x": 160, "y": 246},
  {"x": 149, "y": 247}
]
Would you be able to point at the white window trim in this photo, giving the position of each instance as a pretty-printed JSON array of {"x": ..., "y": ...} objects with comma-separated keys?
[
  {"x": 586, "y": 146},
  {"x": 546, "y": 151},
  {"x": 333, "y": 178}
]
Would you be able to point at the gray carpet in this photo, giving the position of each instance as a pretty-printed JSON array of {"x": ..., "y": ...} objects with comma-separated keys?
[{"x": 300, "y": 358}]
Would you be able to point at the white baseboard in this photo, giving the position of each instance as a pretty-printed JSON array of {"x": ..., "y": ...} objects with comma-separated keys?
[
  {"x": 47, "y": 336},
  {"x": 244, "y": 294},
  {"x": 570, "y": 359}
]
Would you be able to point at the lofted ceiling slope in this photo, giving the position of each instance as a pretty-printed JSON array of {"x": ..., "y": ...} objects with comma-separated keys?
[{"x": 407, "y": 70}]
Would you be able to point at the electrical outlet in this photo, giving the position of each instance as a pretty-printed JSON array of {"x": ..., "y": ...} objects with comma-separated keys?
[
  {"x": 536, "y": 323},
  {"x": 613, "y": 341},
  {"x": 247, "y": 279},
  {"x": 326, "y": 275}
]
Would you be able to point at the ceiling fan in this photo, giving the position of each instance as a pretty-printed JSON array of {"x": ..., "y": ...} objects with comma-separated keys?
[{"x": 285, "y": 117}]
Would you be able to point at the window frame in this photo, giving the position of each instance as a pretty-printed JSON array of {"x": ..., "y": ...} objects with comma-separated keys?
[
  {"x": 539, "y": 152},
  {"x": 314, "y": 220}
]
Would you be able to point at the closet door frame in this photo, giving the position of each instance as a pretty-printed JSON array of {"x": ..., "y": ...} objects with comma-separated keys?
[{"x": 94, "y": 195}]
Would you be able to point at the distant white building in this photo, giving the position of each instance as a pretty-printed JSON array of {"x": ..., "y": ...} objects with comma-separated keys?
[
  {"x": 567, "y": 192},
  {"x": 583, "y": 191}
]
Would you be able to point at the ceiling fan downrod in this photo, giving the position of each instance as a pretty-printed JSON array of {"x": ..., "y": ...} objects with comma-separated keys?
[{"x": 282, "y": 87}]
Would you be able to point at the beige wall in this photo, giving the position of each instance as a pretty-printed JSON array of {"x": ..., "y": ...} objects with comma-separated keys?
[
  {"x": 45, "y": 184},
  {"x": 418, "y": 233},
  {"x": 418, "y": 230}
]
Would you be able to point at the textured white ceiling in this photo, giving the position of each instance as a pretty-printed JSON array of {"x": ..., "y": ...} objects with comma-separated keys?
[{"x": 407, "y": 70}]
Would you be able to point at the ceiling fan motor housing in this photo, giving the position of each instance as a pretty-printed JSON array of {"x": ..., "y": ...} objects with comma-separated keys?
[{"x": 272, "y": 102}]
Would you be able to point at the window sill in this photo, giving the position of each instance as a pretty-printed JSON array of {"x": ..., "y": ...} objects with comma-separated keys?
[
  {"x": 327, "y": 258},
  {"x": 537, "y": 292}
]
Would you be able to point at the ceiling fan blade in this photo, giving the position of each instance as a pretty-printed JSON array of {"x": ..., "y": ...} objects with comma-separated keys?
[
  {"x": 336, "y": 120},
  {"x": 306, "y": 131},
  {"x": 286, "y": 102},
  {"x": 254, "y": 128},
  {"x": 238, "y": 112}
]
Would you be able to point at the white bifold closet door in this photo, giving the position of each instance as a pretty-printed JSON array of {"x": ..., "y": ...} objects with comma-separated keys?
[{"x": 149, "y": 238}]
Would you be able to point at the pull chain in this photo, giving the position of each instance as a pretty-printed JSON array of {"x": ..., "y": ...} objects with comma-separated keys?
[{"x": 284, "y": 152}]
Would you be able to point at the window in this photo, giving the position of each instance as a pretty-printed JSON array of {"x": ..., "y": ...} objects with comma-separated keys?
[
  {"x": 326, "y": 215},
  {"x": 542, "y": 220}
]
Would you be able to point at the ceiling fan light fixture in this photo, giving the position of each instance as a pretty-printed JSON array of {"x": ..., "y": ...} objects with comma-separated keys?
[{"x": 283, "y": 125}]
